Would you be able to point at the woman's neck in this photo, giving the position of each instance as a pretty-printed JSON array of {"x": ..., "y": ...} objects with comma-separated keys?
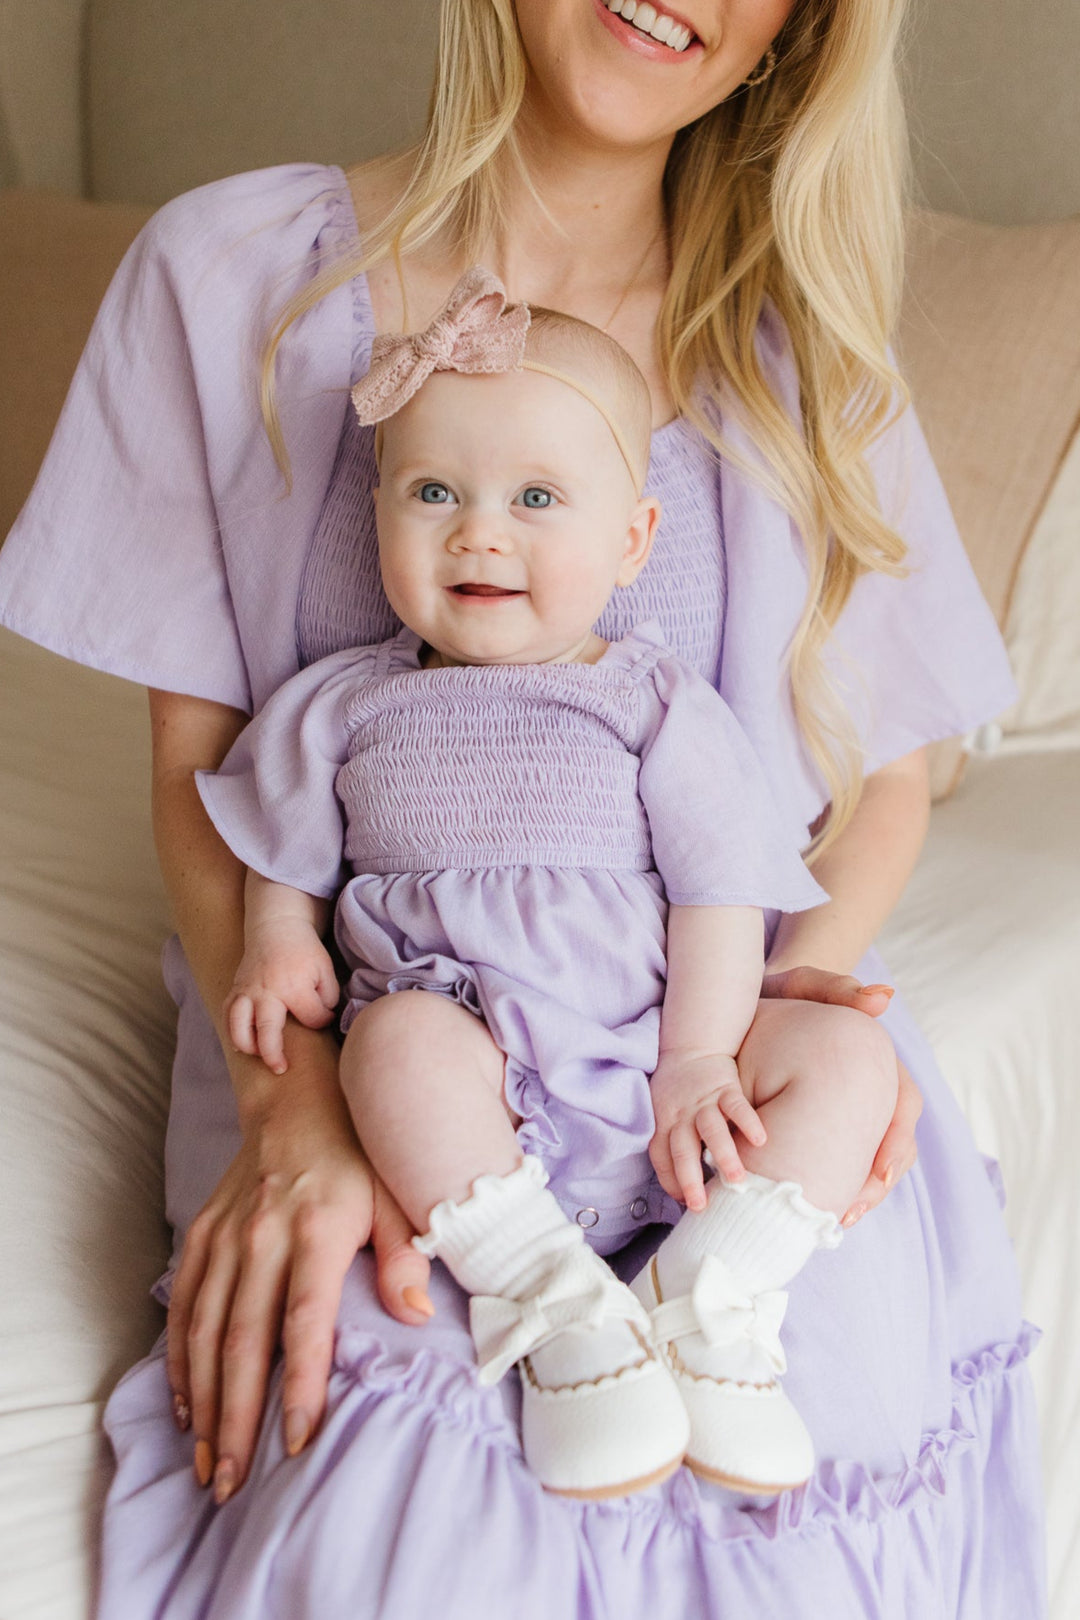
[{"x": 592, "y": 224}]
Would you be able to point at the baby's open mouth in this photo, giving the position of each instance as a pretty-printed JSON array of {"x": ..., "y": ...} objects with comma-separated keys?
[
  {"x": 482, "y": 590},
  {"x": 657, "y": 24}
]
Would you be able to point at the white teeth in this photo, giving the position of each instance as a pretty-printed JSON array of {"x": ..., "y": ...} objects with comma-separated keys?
[{"x": 658, "y": 26}]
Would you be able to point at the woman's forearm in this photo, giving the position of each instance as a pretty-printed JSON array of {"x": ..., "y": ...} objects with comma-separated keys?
[{"x": 864, "y": 872}]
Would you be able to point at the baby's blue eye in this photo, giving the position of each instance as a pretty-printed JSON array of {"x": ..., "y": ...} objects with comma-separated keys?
[
  {"x": 434, "y": 494},
  {"x": 536, "y": 497}
]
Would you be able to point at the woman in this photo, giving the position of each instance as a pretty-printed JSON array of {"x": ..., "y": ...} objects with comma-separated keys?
[{"x": 720, "y": 191}]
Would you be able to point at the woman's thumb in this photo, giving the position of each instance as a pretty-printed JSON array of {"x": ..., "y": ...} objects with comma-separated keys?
[{"x": 402, "y": 1271}]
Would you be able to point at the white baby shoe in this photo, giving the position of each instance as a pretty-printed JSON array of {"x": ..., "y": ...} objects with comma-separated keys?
[
  {"x": 601, "y": 1413},
  {"x": 711, "y": 1291}
]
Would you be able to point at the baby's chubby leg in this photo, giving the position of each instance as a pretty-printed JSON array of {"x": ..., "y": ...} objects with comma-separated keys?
[
  {"x": 601, "y": 1415},
  {"x": 827, "y": 1110},
  {"x": 715, "y": 1286},
  {"x": 423, "y": 1079}
]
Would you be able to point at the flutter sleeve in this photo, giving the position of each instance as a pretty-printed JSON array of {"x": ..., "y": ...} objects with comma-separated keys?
[
  {"x": 155, "y": 543},
  {"x": 716, "y": 836},
  {"x": 272, "y": 799},
  {"x": 919, "y": 658}
]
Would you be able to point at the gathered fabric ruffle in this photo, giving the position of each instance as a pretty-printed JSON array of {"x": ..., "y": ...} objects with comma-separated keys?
[{"x": 414, "y": 1491}]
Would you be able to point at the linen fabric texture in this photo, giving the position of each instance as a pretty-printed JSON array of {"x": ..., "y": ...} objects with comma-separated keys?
[
  {"x": 514, "y": 833},
  {"x": 157, "y": 545}
]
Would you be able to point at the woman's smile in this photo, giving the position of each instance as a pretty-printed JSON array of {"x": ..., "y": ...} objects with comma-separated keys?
[{"x": 652, "y": 30}]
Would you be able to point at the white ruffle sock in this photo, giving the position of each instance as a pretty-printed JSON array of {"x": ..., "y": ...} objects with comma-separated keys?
[
  {"x": 601, "y": 1414},
  {"x": 714, "y": 1292}
]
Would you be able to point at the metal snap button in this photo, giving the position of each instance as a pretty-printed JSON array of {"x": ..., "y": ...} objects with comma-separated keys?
[
  {"x": 639, "y": 1208},
  {"x": 587, "y": 1217}
]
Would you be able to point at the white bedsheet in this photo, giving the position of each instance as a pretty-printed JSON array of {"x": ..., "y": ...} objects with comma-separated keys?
[{"x": 985, "y": 944}]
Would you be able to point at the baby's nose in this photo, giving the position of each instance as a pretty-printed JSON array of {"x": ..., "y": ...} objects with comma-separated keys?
[{"x": 480, "y": 531}]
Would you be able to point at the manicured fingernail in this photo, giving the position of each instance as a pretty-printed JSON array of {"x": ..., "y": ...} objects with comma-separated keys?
[
  {"x": 204, "y": 1461},
  {"x": 878, "y": 990},
  {"x": 890, "y": 1175},
  {"x": 855, "y": 1213},
  {"x": 224, "y": 1480},
  {"x": 297, "y": 1429},
  {"x": 416, "y": 1299},
  {"x": 181, "y": 1413}
]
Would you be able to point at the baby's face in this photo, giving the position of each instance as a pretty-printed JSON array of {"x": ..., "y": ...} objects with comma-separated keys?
[{"x": 506, "y": 517}]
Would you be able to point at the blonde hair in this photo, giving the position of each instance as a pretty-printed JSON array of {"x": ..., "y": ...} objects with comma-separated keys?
[{"x": 789, "y": 193}]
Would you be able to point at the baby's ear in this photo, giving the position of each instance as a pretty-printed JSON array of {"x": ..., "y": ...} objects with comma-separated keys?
[{"x": 639, "y": 538}]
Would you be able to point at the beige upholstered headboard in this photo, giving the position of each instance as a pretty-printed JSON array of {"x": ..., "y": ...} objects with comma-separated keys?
[{"x": 176, "y": 93}]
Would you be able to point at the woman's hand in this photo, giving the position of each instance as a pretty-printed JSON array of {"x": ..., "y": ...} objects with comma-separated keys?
[
  {"x": 897, "y": 1152},
  {"x": 265, "y": 1260}
]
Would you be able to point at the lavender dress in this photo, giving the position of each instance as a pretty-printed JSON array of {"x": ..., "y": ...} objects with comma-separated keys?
[
  {"x": 159, "y": 508},
  {"x": 514, "y": 833}
]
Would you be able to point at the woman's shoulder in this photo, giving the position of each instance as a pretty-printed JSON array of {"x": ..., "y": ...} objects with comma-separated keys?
[{"x": 270, "y": 217}]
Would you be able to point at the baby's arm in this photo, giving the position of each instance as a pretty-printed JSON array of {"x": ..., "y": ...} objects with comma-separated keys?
[
  {"x": 715, "y": 961},
  {"x": 285, "y": 969}
]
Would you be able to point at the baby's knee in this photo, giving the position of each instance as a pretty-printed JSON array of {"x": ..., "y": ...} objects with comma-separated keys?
[{"x": 863, "y": 1064}]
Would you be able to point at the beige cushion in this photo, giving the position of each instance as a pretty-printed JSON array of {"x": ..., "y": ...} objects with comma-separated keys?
[
  {"x": 1042, "y": 628},
  {"x": 57, "y": 255},
  {"x": 990, "y": 342},
  {"x": 184, "y": 93}
]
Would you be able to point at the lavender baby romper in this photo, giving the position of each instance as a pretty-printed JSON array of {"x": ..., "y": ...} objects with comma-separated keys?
[
  {"x": 160, "y": 509},
  {"x": 514, "y": 833}
]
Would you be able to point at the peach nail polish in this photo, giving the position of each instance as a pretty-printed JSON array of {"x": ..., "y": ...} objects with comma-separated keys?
[
  {"x": 224, "y": 1480},
  {"x": 297, "y": 1430},
  {"x": 416, "y": 1299},
  {"x": 878, "y": 990},
  {"x": 204, "y": 1462}
]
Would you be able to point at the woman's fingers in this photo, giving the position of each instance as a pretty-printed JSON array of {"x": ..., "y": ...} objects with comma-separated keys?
[
  {"x": 323, "y": 1254},
  {"x": 403, "y": 1272},
  {"x": 186, "y": 1284},
  {"x": 206, "y": 1333},
  {"x": 836, "y": 989},
  {"x": 247, "y": 1347},
  {"x": 897, "y": 1153}
]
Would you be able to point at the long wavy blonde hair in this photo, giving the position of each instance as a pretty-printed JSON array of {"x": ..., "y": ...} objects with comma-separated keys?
[{"x": 791, "y": 191}]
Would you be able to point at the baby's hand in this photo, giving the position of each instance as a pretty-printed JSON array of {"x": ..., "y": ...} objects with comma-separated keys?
[
  {"x": 694, "y": 1094},
  {"x": 285, "y": 969}
]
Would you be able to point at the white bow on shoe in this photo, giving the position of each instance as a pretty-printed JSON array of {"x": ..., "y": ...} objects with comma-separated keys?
[{"x": 723, "y": 1348}]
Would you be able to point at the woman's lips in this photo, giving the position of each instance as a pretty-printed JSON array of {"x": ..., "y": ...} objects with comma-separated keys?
[{"x": 644, "y": 44}]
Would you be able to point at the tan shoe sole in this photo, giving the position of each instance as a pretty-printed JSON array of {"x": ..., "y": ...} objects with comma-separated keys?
[
  {"x": 604, "y": 1493},
  {"x": 751, "y": 1486}
]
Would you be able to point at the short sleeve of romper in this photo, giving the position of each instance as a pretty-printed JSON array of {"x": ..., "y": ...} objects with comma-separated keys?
[
  {"x": 717, "y": 838},
  {"x": 273, "y": 799}
]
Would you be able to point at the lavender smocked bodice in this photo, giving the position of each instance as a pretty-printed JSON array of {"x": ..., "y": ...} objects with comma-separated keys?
[
  {"x": 682, "y": 587},
  {"x": 443, "y": 761}
]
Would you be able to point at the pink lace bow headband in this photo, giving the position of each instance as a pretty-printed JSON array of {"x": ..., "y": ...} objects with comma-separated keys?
[{"x": 476, "y": 331}]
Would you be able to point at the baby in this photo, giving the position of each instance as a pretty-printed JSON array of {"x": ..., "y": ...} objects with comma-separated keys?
[{"x": 560, "y": 850}]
